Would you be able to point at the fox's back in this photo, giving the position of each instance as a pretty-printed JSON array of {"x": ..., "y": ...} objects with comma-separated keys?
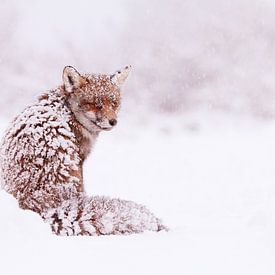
[{"x": 40, "y": 162}]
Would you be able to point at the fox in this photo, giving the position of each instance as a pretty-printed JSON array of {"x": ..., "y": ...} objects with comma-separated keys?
[{"x": 43, "y": 151}]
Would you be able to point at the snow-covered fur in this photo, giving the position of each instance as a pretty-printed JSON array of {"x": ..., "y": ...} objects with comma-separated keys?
[
  {"x": 43, "y": 151},
  {"x": 100, "y": 216}
]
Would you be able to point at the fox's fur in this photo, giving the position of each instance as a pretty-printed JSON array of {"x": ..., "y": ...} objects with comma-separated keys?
[{"x": 43, "y": 151}]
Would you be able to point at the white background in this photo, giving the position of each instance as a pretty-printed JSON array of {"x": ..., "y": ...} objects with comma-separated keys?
[{"x": 195, "y": 140}]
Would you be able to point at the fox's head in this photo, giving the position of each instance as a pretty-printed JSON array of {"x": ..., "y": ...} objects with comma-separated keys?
[{"x": 94, "y": 99}]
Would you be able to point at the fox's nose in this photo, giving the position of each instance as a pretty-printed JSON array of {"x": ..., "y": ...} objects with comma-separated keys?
[{"x": 113, "y": 122}]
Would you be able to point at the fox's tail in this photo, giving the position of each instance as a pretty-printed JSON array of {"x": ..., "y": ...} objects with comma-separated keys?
[{"x": 100, "y": 216}]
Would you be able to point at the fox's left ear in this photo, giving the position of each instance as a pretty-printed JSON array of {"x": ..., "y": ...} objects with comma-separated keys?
[
  {"x": 120, "y": 76},
  {"x": 71, "y": 78}
]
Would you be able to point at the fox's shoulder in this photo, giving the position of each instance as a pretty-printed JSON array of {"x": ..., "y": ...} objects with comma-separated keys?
[{"x": 47, "y": 119}]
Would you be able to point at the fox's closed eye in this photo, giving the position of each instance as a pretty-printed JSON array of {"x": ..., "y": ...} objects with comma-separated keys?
[{"x": 86, "y": 105}]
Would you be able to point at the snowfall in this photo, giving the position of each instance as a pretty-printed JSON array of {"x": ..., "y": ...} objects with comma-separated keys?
[
  {"x": 209, "y": 178},
  {"x": 195, "y": 140}
]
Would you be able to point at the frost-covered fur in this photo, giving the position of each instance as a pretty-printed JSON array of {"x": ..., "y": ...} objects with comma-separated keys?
[
  {"x": 100, "y": 216},
  {"x": 43, "y": 151}
]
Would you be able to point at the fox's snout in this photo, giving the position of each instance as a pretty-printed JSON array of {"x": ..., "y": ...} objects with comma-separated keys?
[
  {"x": 105, "y": 123},
  {"x": 108, "y": 123},
  {"x": 112, "y": 122}
]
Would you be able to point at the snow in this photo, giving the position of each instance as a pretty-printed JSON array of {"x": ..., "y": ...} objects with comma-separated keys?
[{"x": 209, "y": 177}]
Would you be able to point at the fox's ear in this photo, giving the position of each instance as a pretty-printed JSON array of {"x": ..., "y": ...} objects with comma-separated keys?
[
  {"x": 71, "y": 78},
  {"x": 120, "y": 76}
]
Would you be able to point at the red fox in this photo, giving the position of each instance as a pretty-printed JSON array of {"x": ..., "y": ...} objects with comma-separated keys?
[{"x": 43, "y": 151}]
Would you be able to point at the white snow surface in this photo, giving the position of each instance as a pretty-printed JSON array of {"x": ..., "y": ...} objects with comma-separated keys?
[{"x": 210, "y": 178}]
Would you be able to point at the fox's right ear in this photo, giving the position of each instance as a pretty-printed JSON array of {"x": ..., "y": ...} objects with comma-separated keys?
[{"x": 71, "y": 78}]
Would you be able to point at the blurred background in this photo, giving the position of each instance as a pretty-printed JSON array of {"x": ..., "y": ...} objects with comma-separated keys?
[
  {"x": 195, "y": 139},
  {"x": 187, "y": 56}
]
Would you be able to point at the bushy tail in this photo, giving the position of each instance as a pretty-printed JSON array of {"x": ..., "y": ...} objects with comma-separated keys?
[{"x": 100, "y": 216}]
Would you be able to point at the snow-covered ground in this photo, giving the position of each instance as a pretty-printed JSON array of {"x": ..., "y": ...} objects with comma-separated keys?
[{"x": 209, "y": 177}]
